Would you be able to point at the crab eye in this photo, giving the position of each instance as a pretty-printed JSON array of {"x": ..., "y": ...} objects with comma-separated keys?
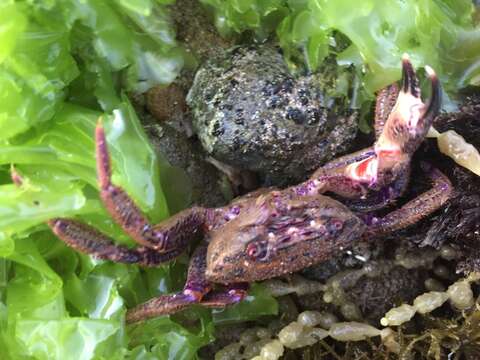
[
  {"x": 256, "y": 250},
  {"x": 334, "y": 226},
  {"x": 337, "y": 224}
]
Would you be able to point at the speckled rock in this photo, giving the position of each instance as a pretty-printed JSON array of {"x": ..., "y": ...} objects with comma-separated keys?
[{"x": 251, "y": 112}]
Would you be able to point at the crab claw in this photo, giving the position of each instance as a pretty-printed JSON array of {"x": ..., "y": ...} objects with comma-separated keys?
[
  {"x": 410, "y": 118},
  {"x": 409, "y": 78}
]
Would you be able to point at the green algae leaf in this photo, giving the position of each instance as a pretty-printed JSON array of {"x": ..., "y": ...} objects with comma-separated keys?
[
  {"x": 21, "y": 209},
  {"x": 163, "y": 338},
  {"x": 381, "y": 31},
  {"x": 238, "y": 15},
  {"x": 13, "y": 24},
  {"x": 69, "y": 145},
  {"x": 63, "y": 65},
  {"x": 64, "y": 339},
  {"x": 370, "y": 34},
  {"x": 35, "y": 72}
]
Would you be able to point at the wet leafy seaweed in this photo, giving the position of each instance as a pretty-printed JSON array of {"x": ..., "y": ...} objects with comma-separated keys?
[{"x": 371, "y": 34}]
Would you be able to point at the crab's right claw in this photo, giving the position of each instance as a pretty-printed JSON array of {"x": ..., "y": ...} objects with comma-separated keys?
[
  {"x": 418, "y": 126},
  {"x": 410, "y": 118}
]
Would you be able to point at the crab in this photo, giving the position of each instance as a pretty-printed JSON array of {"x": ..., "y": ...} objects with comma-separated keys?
[{"x": 272, "y": 232}]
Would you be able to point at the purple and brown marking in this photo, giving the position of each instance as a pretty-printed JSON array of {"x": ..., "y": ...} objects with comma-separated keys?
[{"x": 273, "y": 232}]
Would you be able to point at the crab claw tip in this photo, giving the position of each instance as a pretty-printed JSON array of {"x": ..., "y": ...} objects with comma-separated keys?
[
  {"x": 409, "y": 79},
  {"x": 435, "y": 101}
]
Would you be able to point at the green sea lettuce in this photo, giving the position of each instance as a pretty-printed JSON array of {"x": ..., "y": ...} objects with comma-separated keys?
[{"x": 372, "y": 35}]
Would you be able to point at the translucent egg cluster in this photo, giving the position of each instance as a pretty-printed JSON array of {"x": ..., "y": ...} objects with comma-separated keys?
[{"x": 459, "y": 293}]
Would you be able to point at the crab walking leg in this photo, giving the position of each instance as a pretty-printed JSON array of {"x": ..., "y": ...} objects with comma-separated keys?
[
  {"x": 218, "y": 299},
  {"x": 386, "y": 99},
  {"x": 416, "y": 209},
  {"x": 195, "y": 288},
  {"x": 196, "y": 291},
  {"x": 88, "y": 240},
  {"x": 170, "y": 304},
  {"x": 164, "y": 237}
]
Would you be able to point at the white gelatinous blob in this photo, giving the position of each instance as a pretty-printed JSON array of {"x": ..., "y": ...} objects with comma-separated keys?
[
  {"x": 461, "y": 295},
  {"x": 352, "y": 331},
  {"x": 398, "y": 316},
  {"x": 429, "y": 301},
  {"x": 295, "y": 335},
  {"x": 290, "y": 334},
  {"x": 455, "y": 146},
  {"x": 310, "y": 318},
  {"x": 272, "y": 351}
]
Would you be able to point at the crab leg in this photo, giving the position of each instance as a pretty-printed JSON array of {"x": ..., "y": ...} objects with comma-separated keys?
[
  {"x": 231, "y": 295},
  {"x": 416, "y": 209},
  {"x": 196, "y": 291},
  {"x": 195, "y": 288},
  {"x": 163, "y": 237},
  {"x": 88, "y": 240}
]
